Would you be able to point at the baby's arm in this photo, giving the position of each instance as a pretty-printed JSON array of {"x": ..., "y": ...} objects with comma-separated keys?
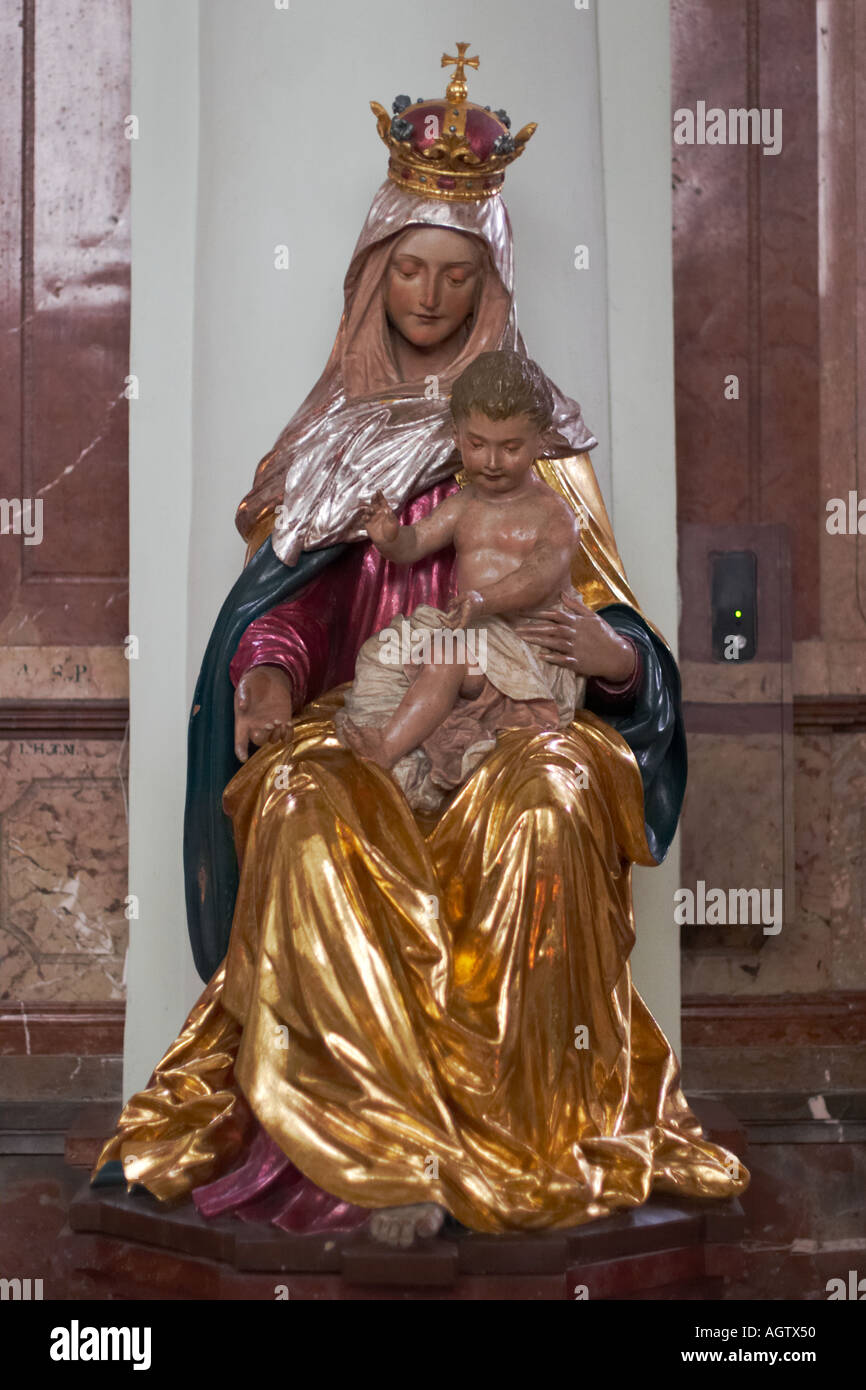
[{"x": 406, "y": 544}]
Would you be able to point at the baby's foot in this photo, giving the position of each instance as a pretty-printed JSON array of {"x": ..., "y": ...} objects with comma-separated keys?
[
  {"x": 400, "y": 1225},
  {"x": 367, "y": 742}
]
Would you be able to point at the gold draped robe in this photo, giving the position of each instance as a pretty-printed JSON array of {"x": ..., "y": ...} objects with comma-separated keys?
[{"x": 437, "y": 1009}]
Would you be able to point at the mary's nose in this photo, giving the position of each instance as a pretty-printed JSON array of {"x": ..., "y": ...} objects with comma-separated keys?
[{"x": 429, "y": 292}]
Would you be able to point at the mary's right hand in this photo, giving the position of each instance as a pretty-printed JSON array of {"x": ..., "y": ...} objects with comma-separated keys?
[{"x": 263, "y": 709}]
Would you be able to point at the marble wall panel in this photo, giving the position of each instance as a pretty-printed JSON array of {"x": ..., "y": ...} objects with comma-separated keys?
[
  {"x": 847, "y": 858},
  {"x": 822, "y": 946},
  {"x": 733, "y": 837},
  {"x": 63, "y": 869}
]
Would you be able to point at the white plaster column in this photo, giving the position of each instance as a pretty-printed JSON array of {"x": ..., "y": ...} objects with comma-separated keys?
[
  {"x": 634, "y": 65},
  {"x": 161, "y": 979}
]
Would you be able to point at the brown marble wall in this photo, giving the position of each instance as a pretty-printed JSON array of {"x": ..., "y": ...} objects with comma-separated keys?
[
  {"x": 64, "y": 359},
  {"x": 746, "y": 278},
  {"x": 738, "y": 824},
  {"x": 769, "y": 285},
  {"x": 64, "y": 317}
]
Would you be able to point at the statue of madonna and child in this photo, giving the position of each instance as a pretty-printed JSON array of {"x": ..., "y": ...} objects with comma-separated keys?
[{"x": 411, "y": 901}]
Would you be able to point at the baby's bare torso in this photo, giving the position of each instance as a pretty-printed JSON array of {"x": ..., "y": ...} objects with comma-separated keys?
[{"x": 494, "y": 538}]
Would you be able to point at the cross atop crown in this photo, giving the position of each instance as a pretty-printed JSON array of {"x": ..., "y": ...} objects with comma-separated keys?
[{"x": 457, "y": 89}]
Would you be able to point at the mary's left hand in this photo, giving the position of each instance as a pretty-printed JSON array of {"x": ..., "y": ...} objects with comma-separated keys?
[{"x": 580, "y": 640}]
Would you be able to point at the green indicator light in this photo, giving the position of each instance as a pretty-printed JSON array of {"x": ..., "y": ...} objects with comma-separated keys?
[{"x": 738, "y": 612}]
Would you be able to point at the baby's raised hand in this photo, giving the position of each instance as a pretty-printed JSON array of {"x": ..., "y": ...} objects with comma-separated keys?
[
  {"x": 379, "y": 520},
  {"x": 464, "y": 608}
]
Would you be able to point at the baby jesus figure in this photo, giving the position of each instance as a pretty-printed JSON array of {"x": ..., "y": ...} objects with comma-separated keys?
[{"x": 431, "y": 713}]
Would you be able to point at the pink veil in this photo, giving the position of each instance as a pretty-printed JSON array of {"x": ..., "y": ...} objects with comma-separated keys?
[{"x": 361, "y": 427}]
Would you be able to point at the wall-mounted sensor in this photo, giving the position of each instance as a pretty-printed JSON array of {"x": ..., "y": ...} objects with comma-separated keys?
[{"x": 734, "y": 602}]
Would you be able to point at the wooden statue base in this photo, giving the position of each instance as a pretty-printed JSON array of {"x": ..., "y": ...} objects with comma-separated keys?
[{"x": 132, "y": 1247}]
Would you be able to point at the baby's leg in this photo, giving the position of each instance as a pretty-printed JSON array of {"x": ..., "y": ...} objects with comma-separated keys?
[{"x": 428, "y": 700}]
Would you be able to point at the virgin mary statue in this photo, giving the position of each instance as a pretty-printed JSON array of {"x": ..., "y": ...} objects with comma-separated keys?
[{"x": 410, "y": 1014}]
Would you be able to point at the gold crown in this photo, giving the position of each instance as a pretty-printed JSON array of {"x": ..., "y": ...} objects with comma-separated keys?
[{"x": 449, "y": 148}]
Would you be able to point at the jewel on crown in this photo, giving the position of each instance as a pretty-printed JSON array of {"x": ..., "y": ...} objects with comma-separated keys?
[{"x": 449, "y": 148}]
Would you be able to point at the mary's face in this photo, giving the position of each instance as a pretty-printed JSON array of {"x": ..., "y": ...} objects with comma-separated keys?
[{"x": 431, "y": 283}]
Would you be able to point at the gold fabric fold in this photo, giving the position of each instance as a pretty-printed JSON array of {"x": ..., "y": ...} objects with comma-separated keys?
[
  {"x": 191, "y": 1120},
  {"x": 438, "y": 1009},
  {"x": 440, "y": 1017}
]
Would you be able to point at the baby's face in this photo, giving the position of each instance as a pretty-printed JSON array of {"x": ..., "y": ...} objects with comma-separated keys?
[{"x": 497, "y": 454}]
